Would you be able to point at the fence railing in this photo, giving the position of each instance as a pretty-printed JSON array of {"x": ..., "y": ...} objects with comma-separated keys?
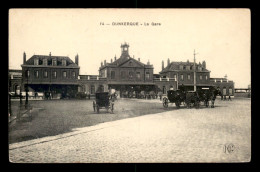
[{"x": 164, "y": 79}]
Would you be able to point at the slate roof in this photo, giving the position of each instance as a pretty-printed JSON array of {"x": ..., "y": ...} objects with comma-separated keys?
[
  {"x": 175, "y": 66},
  {"x": 69, "y": 62}
]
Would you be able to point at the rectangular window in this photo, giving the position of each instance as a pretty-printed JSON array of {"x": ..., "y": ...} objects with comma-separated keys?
[
  {"x": 200, "y": 77},
  {"x": 189, "y": 77},
  {"x": 112, "y": 74},
  {"x": 54, "y": 73},
  {"x": 206, "y": 77},
  {"x": 73, "y": 74},
  {"x": 122, "y": 74},
  {"x": 54, "y": 62},
  {"x": 138, "y": 75},
  {"x": 63, "y": 62},
  {"x": 64, "y": 74},
  {"x": 36, "y": 74},
  {"x": 130, "y": 74},
  {"x": 147, "y": 75},
  {"x": 36, "y": 61},
  {"x": 27, "y": 73},
  {"x": 175, "y": 76},
  {"x": 182, "y": 77},
  {"x": 45, "y": 62},
  {"x": 45, "y": 74}
]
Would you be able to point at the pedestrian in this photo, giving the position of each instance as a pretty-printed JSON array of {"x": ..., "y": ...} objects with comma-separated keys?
[
  {"x": 35, "y": 95},
  {"x": 225, "y": 97},
  {"x": 221, "y": 97},
  {"x": 229, "y": 98},
  {"x": 50, "y": 96}
]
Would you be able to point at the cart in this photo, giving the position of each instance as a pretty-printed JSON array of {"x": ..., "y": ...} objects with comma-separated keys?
[{"x": 103, "y": 101}]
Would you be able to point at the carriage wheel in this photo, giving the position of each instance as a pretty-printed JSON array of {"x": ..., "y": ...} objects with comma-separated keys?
[{"x": 165, "y": 103}]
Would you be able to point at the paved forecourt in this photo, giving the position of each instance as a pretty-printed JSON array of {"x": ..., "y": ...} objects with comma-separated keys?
[{"x": 221, "y": 134}]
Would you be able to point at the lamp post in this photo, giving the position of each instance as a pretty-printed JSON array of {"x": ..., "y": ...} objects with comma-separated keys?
[{"x": 26, "y": 90}]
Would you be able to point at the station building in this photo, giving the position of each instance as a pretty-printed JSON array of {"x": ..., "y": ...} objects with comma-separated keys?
[
  {"x": 184, "y": 74},
  {"x": 57, "y": 75},
  {"x": 128, "y": 76}
]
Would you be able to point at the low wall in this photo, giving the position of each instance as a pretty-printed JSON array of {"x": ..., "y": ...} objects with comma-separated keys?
[{"x": 245, "y": 95}]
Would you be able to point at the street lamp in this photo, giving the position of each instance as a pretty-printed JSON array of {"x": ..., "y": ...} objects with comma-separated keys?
[{"x": 26, "y": 89}]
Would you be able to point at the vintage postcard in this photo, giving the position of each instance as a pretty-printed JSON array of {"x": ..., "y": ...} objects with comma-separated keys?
[{"x": 129, "y": 85}]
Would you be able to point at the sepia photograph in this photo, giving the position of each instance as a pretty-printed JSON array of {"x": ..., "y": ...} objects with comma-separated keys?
[{"x": 129, "y": 85}]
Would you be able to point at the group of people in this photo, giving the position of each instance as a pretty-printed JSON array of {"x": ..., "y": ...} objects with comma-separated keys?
[{"x": 225, "y": 97}]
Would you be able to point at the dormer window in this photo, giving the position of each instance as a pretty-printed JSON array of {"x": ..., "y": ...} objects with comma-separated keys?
[
  {"x": 187, "y": 67},
  {"x": 45, "y": 62},
  {"x": 181, "y": 67},
  {"x": 200, "y": 68},
  {"x": 64, "y": 62},
  {"x": 36, "y": 61},
  {"x": 54, "y": 62}
]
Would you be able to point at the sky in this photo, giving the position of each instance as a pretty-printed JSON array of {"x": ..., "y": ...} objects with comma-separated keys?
[{"x": 221, "y": 37}]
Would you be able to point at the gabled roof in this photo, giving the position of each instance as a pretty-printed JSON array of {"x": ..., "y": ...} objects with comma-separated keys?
[
  {"x": 175, "y": 66},
  {"x": 69, "y": 62},
  {"x": 122, "y": 60}
]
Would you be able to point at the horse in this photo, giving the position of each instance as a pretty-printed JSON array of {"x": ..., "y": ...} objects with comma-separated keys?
[{"x": 213, "y": 94}]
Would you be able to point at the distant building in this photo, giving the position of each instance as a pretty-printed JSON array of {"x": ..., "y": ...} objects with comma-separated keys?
[
  {"x": 130, "y": 77},
  {"x": 57, "y": 75},
  {"x": 224, "y": 85},
  {"x": 15, "y": 81},
  {"x": 184, "y": 74}
]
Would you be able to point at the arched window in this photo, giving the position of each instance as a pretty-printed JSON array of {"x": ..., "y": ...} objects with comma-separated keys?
[
  {"x": 224, "y": 92},
  {"x": 164, "y": 90},
  {"x": 230, "y": 91},
  {"x": 92, "y": 89}
]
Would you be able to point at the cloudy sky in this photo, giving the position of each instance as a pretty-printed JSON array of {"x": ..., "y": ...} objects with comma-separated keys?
[{"x": 221, "y": 37}]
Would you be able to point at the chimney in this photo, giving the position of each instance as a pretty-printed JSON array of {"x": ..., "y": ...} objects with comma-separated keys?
[
  {"x": 139, "y": 59},
  {"x": 148, "y": 63},
  {"x": 111, "y": 60},
  {"x": 133, "y": 56},
  {"x": 115, "y": 57},
  {"x": 162, "y": 65},
  {"x": 105, "y": 62},
  {"x": 101, "y": 64},
  {"x": 24, "y": 58},
  {"x": 50, "y": 54},
  {"x": 77, "y": 59},
  {"x": 168, "y": 62},
  {"x": 204, "y": 64}
]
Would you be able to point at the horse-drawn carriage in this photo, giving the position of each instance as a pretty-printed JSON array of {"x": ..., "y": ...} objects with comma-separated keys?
[
  {"x": 189, "y": 98},
  {"x": 103, "y": 101}
]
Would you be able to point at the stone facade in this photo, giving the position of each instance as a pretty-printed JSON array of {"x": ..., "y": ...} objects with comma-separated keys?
[
  {"x": 184, "y": 73},
  {"x": 55, "y": 74}
]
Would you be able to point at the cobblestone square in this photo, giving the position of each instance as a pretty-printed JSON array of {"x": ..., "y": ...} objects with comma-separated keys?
[{"x": 138, "y": 131}]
